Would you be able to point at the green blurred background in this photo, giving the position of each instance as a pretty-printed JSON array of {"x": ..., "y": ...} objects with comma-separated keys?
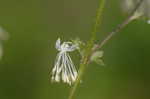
[{"x": 29, "y": 54}]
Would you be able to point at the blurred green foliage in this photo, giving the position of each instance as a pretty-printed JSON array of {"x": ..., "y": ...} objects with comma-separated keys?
[{"x": 29, "y": 54}]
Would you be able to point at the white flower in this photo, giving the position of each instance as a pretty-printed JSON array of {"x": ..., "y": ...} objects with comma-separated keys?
[{"x": 64, "y": 68}]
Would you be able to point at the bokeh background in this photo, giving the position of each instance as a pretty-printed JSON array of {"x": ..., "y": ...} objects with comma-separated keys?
[{"x": 29, "y": 54}]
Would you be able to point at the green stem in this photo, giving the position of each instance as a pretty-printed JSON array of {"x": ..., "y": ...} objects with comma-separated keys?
[
  {"x": 90, "y": 44},
  {"x": 82, "y": 69},
  {"x": 89, "y": 52},
  {"x": 98, "y": 20}
]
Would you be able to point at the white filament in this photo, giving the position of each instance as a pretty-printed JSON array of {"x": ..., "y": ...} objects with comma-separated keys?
[{"x": 64, "y": 68}]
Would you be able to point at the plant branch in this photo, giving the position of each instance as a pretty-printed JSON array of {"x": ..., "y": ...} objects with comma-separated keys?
[
  {"x": 119, "y": 27},
  {"x": 90, "y": 44},
  {"x": 89, "y": 53},
  {"x": 81, "y": 70},
  {"x": 98, "y": 19}
]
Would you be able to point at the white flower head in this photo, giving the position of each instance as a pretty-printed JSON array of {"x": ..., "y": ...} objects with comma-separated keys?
[{"x": 64, "y": 68}]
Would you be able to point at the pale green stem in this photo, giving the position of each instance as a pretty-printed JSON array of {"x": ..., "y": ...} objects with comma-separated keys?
[
  {"x": 98, "y": 20},
  {"x": 82, "y": 68},
  {"x": 84, "y": 62}
]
